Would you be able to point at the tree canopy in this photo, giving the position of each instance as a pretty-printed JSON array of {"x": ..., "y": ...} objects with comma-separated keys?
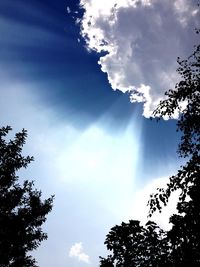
[
  {"x": 135, "y": 245},
  {"x": 22, "y": 210}
]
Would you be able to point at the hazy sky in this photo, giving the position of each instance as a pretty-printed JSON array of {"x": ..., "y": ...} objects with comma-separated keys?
[{"x": 83, "y": 82}]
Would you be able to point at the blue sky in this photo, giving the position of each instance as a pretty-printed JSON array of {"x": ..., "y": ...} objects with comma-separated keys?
[{"x": 84, "y": 82}]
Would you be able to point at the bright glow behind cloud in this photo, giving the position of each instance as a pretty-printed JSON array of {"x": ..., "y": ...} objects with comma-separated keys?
[
  {"x": 142, "y": 40},
  {"x": 99, "y": 168},
  {"x": 106, "y": 164}
]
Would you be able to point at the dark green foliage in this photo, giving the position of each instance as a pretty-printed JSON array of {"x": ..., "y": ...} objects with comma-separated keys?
[
  {"x": 22, "y": 211},
  {"x": 134, "y": 245}
]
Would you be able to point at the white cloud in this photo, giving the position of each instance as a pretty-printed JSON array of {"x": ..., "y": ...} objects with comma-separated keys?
[
  {"x": 68, "y": 10},
  {"x": 76, "y": 251},
  {"x": 142, "y": 40}
]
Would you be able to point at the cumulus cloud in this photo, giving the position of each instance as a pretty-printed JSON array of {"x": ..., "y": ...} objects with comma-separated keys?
[
  {"x": 77, "y": 251},
  {"x": 141, "y": 40}
]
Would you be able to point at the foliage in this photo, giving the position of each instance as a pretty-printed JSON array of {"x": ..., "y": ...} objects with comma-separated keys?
[
  {"x": 187, "y": 90},
  {"x": 134, "y": 245},
  {"x": 22, "y": 211},
  {"x": 180, "y": 246},
  {"x": 185, "y": 232}
]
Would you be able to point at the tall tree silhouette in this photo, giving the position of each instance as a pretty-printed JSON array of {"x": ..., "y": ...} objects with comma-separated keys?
[
  {"x": 185, "y": 233},
  {"x": 22, "y": 211},
  {"x": 180, "y": 246}
]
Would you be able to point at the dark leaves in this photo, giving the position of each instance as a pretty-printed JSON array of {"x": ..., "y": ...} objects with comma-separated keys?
[
  {"x": 22, "y": 212},
  {"x": 135, "y": 245}
]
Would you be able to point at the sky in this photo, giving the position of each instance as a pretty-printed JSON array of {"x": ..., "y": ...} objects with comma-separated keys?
[{"x": 83, "y": 77}]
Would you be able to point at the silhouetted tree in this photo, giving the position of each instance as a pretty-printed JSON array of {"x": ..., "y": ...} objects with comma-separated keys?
[
  {"x": 180, "y": 246},
  {"x": 186, "y": 91},
  {"x": 134, "y": 245},
  {"x": 185, "y": 233},
  {"x": 22, "y": 211}
]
